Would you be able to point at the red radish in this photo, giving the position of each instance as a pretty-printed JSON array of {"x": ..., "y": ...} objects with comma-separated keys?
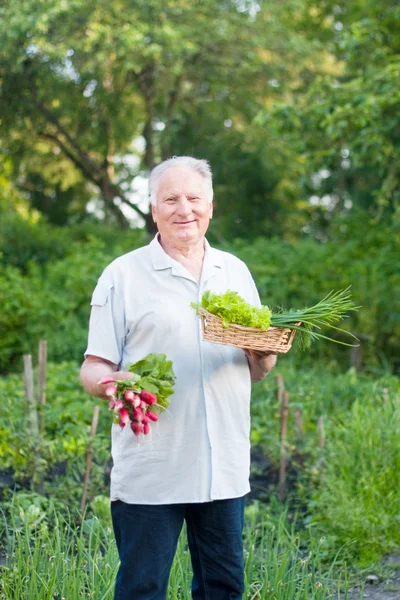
[
  {"x": 152, "y": 415},
  {"x": 123, "y": 417},
  {"x": 146, "y": 429},
  {"x": 138, "y": 414},
  {"x": 118, "y": 404},
  {"x": 136, "y": 401},
  {"x": 137, "y": 428},
  {"x": 148, "y": 397},
  {"x": 111, "y": 391},
  {"x": 129, "y": 395},
  {"x": 145, "y": 420},
  {"x": 143, "y": 405}
]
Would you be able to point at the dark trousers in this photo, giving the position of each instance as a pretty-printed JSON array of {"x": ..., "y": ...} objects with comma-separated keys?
[{"x": 147, "y": 537}]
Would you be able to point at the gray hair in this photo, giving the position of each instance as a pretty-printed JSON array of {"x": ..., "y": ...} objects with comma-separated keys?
[{"x": 200, "y": 166}]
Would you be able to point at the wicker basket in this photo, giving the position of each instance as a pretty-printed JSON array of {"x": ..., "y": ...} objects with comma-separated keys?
[{"x": 274, "y": 339}]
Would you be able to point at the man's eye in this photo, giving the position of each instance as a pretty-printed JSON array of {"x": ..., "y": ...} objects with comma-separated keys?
[
  {"x": 170, "y": 200},
  {"x": 193, "y": 198}
]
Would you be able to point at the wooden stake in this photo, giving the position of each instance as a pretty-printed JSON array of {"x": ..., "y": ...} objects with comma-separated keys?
[
  {"x": 321, "y": 432},
  {"x": 33, "y": 423},
  {"x": 280, "y": 384},
  {"x": 42, "y": 383},
  {"x": 89, "y": 456},
  {"x": 283, "y": 461},
  {"x": 298, "y": 421}
]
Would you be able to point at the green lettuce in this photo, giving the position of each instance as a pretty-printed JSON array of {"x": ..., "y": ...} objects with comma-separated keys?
[{"x": 234, "y": 309}]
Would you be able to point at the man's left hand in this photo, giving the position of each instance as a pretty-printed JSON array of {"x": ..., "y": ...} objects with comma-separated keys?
[{"x": 260, "y": 363}]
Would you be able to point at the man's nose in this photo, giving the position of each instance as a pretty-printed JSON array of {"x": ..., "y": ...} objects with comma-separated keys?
[{"x": 184, "y": 206}]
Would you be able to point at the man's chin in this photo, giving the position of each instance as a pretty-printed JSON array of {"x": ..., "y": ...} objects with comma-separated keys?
[{"x": 188, "y": 236}]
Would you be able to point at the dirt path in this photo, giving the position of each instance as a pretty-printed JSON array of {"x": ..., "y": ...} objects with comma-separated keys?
[{"x": 375, "y": 589}]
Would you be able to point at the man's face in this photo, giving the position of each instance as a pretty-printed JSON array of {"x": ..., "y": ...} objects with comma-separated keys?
[{"x": 183, "y": 211}]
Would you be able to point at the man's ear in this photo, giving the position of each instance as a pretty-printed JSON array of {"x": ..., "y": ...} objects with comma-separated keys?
[
  {"x": 154, "y": 213},
  {"x": 211, "y": 211}
]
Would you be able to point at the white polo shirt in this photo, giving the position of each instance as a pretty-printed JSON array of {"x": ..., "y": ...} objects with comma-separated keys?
[{"x": 199, "y": 450}]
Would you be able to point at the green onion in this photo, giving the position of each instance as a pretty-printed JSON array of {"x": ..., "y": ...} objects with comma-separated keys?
[{"x": 328, "y": 311}]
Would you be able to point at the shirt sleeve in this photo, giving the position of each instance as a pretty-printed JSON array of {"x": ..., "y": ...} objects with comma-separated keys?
[{"x": 107, "y": 321}]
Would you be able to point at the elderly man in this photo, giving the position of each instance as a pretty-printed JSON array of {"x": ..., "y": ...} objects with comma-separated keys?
[{"x": 195, "y": 468}]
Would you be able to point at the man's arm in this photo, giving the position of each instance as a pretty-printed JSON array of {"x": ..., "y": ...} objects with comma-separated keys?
[
  {"x": 94, "y": 369},
  {"x": 260, "y": 364}
]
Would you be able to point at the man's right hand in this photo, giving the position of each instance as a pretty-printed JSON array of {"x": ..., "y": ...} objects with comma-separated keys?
[{"x": 94, "y": 370}]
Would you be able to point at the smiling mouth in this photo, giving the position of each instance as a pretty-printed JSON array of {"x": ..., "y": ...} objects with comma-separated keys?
[{"x": 184, "y": 222}]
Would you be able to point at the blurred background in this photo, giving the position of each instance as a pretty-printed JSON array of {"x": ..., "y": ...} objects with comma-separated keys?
[{"x": 296, "y": 104}]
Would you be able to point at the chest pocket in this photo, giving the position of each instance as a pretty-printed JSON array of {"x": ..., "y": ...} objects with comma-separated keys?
[{"x": 101, "y": 294}]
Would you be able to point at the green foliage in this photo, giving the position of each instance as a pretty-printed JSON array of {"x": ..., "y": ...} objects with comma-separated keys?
[
  {"x": 344, "y": 126},
  {"x": 81, "y": 81},
  {"x": 53, "y": 557},
  {"x": 52, "y": 300},
  {"x": 347, "y": 492},
  {"x": 67, "y": 417},
  {"x": 234, "y": 309},
  {"x": 363, "y": 254},
  {"x": 156, "y": 375},
  {"x": 334, "y": 307},
  {"x": 298, "y": 116},
  {"x": 16, "y": 308},
  {"x": 359, "y": 502},
  {"x": 49, "y": 299},
  {"x": 23, "y": 241},
  {"x": 30, "y": 239}
]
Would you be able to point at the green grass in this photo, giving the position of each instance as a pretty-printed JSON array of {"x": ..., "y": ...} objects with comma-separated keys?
[
  {"x": 59, "y": 561},
  {"x": 348, "y": 492},
  {"x": 52, "y": 558},
  {"x": 360, "y": 497}
]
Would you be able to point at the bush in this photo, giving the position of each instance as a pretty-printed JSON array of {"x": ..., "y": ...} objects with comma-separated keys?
[
  {"x": 361, "y": 255},
  {"x": 53, "y": 302},
  {"x": 59, "y": 268},
  {"x": 24, "y": 241},
  {"x": 16, "y": 310}
]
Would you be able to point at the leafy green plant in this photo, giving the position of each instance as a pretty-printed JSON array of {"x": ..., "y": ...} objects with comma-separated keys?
[
  {"x": 359, "y": 499},
  {"x": 349, "y": 490},
  {"x": 155, "y": 373},
  {"x": 67, "y": 418}
]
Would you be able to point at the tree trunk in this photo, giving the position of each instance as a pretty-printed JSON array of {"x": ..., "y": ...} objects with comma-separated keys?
[{"x": 108, "y": 197}]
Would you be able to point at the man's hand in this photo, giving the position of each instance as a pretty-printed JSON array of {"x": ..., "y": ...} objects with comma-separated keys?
[
  {"x": 94, "y": 370},
  {"x": 260, "y": 363}
]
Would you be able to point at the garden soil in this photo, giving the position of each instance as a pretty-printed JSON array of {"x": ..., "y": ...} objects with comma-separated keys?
[{"x": 376, "y": 589}]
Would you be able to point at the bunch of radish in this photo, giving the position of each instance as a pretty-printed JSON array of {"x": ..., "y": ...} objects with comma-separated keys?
[
  {"x": 137, "y": 401},
  {"x": 130, "y": 407}
]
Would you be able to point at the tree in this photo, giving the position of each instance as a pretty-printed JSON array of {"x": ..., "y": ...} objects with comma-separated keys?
[
  {"x": 346, "y": 126},
  {"x": 81, "y": 81}
]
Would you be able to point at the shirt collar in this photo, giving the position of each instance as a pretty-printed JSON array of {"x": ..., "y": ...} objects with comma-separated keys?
[{"x": 161, "y": 260}]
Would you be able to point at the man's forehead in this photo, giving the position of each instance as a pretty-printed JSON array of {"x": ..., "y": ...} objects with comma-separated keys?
[{"x": 178, "y": 179}]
